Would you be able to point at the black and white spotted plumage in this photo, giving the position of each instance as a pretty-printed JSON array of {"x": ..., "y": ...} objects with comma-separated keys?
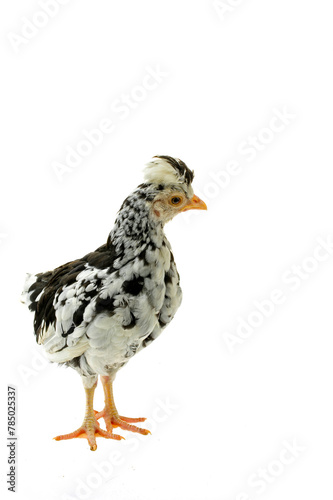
[{"x": 95, "y": 313}]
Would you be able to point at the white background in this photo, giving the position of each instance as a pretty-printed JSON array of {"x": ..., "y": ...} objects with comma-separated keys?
[{"x": 224, "y": 75}]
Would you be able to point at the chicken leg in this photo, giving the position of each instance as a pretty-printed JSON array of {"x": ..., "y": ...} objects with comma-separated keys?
[
  {"x": 110, "y": 414},
  {"x": 90, "y": 428}
]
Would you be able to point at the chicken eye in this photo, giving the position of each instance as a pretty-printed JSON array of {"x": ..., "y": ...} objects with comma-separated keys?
[{"x": 175, "y": 200}]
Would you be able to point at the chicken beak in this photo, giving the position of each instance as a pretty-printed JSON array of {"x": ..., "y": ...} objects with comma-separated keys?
[{"x": 195, "y": 204}]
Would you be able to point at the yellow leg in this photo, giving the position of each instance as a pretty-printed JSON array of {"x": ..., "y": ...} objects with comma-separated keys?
[
  {"x": 110, "y": 414},
  {"x": 90, "y": 428}
]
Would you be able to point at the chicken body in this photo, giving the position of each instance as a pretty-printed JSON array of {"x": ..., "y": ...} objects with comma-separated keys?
[{"x": 95, "y": 313}]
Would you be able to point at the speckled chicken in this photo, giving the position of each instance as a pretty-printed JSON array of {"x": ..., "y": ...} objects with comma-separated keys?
[{"x": 95, "y": 313}]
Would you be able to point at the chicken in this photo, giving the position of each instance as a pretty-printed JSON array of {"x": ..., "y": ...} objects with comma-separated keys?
[{"x": 95, "y": 313}]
